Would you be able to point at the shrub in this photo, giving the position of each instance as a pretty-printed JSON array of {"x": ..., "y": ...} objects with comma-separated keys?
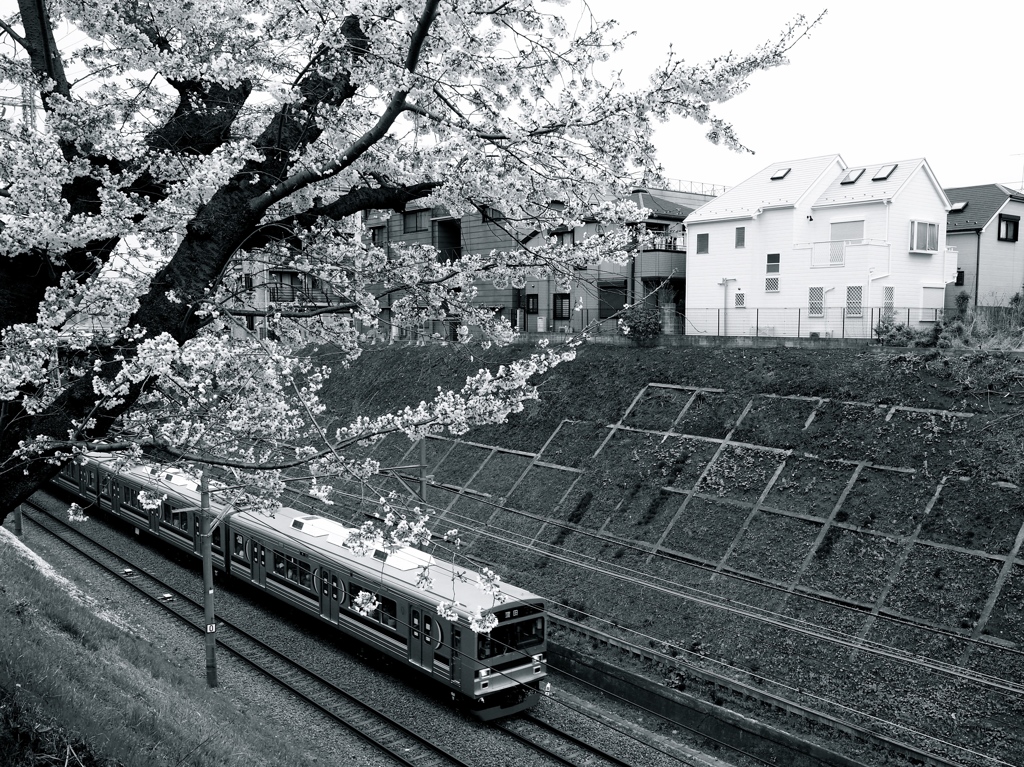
[
  {"x": 892, "y": 333},
  {"x": 963, "y": 302},
  {"x": 642, "y": 323}
]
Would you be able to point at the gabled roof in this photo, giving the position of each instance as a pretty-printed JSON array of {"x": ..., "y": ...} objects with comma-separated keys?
[
  {"x": 880, "y": 182},
  {"x": 760, "y": 191},
  {"x": 983, "y": 202},
  {"x": 659, "y": 204}
]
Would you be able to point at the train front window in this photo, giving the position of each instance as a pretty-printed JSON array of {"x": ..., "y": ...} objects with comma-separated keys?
[{"x": 510, "y": 637}]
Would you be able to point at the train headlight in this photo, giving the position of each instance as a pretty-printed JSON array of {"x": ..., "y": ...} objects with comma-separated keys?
[
  {"x": 484, "y": 673},
  {"x": 538, "y": 658}
]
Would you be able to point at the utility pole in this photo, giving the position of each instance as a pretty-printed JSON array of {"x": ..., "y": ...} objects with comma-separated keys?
[
  {"x": 205, "y": 536},
  {"x": 423, "y": 470}
]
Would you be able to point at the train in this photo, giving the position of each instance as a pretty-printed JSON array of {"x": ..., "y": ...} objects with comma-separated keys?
[{"x": 302, "y": 559}]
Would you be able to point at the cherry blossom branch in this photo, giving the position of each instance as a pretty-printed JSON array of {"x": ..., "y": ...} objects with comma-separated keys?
[{"x": 347, "y": 157}]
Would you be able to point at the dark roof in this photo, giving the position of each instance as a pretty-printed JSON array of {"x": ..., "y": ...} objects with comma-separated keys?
[
  {"x": 659, "y": 206},
  {"x": 982, "y": 203}
]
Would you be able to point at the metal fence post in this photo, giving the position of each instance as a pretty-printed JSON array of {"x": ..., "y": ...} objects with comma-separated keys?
[
  {"x": 798, "y": 323},
  {"x": 757, "y": 322},
  {"x": 844, "y": 324}
]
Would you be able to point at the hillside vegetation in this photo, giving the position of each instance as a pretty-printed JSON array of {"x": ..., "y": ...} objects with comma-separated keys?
[{"x": 842, "y": 527}]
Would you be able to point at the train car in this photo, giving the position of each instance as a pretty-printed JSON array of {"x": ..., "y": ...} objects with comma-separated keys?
[{"x": 302, "y": 559}]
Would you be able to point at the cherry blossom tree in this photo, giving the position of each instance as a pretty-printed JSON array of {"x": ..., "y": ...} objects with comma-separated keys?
[{"x": 177, "y": 139}]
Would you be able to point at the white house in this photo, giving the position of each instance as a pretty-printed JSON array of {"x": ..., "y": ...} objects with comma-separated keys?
[{"x": 815, "y": 247}]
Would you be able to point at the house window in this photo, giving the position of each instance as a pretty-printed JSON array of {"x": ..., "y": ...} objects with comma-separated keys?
[
  {"x": 532, "y": 303},
  {"x": 741, "y": 236},
  {"x": 702, "y": 243},
  {"x": 416, "y": 221},
  {"x": 771, "y": 280},
  {"x": 562, "y": 309},
  {"x": 781, "y": 173},
  {"x": 854, "y": 300},
  {"x": 247, "y": 281},
  {"x": 487, "y": 213},
  {"x": 852, "y": 176},
  {"x": 1009, "y": 227},
  {"x": 959, "y": 277},
  {"x": 846, "y": 231},
  {"x": 611, "y": 298},
  {"x": 816, "y": 301},
  {"x": 924, "y": 237},
  {"x": 377, "y": 236},
  {"x": 740, "y": 300},
  {"x": 957, "y": 207},
  {"x": 932, "y": 300},
  {"x": 884, "y": 172},
  {"x": 888, "y": 302},
  {"x": 565, "y": 239}
]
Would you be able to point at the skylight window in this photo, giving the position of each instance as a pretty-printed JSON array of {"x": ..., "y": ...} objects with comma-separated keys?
[
  {"x": 884, "y": 172},
  {"x": 852, "y": 176},
  {"x": 957, "y": 207},
  {"x": 780, "y": 173}
]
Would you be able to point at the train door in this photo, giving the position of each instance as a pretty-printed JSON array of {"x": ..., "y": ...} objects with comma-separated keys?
[
  {"x": 456, "y": 667},
  {"x": 332, "y": 592},
  {"x": 416, "y": 637},
  {"x": 421, "y": 639},
  {"x": 259, "y": 563}
]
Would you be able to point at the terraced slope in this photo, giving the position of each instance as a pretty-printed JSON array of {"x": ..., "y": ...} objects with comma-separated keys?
[{"x": 843, "y": 527}]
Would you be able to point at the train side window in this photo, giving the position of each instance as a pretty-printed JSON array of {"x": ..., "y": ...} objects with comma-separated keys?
[
  {"x": 166, "y": 515},
  {"x": 334, "y": 588},
  {"x": 387, "y": 613},
  {"x": 415, "y": 624},
  {"x": 456, "y": 642},
  {"x": 215, "y": 540},
  {"x": 239, "y": 548},
  {"x": 427, "y": 627},
  {"x": 292, "y": 569},
  {"x": 105, "y": 485}
]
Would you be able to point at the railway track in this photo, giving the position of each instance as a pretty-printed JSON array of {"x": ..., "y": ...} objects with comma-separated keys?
[
  {"x": 369, "y": 723},
  {"x": 372, "y": 725},
  {"x": 558, "y": 745}
]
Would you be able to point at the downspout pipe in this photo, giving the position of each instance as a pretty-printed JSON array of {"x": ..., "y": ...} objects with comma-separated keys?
[{"x": 977, "y": 267}]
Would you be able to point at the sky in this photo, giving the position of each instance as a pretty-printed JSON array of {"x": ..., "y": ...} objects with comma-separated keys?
[{"x": 877, "y": 81}]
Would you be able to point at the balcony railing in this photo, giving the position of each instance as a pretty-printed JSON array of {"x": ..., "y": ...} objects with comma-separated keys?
[
  {"x": 836, "y": 253},
  {"x": 289, "y": 294},
  {"x": 673, "y": 243}
]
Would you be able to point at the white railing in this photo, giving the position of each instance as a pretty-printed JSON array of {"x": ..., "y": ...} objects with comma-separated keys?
[
  {"x": 835, "y": 253},
  {"x": 692, "y": 187},
  {"x": 674, "y": 243}
]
